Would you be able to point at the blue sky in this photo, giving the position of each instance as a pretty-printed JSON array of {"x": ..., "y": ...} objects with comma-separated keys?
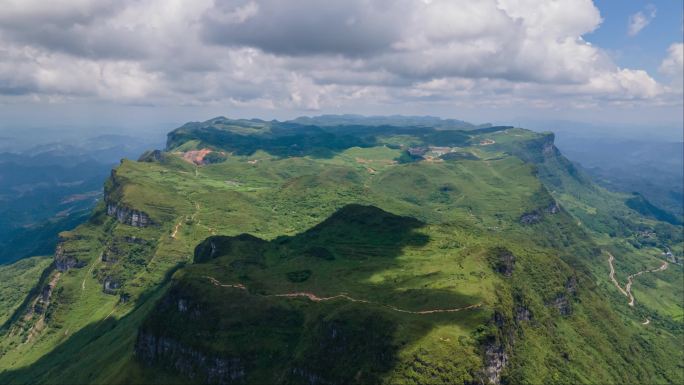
[
  {"x": 150, "y": 63},
  {"x": 645, "y": 50}
]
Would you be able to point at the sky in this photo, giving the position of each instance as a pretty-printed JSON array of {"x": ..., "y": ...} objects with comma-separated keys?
[{"x": 147, "y": 64}]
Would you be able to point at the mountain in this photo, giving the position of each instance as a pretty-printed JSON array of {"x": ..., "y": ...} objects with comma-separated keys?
[
  {"x": 394, "y": 120},
  {"x": 253, "y": 251}
]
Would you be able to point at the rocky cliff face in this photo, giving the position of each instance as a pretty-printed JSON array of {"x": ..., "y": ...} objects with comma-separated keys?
[
  {"x": 157, "y": 347},
  {"x": 536, "y": 150},
  {"x": 495, "y": 350},
  {"x": 152, "y": 156},
  {"x": 110, "y": 285},
  {"x": 502, "y": 260},
  {"x": 118, "y": 210},
  {"x": 128, "y": 216},
  {"x": 64, "y": 261},
  {"x": 536, "y": 216},
  {"x": 495, "y": 362},
  {"x": 563, "y": 300},
  {"x": 43, "y": 300},
  {"x": 197, "y": 366}
]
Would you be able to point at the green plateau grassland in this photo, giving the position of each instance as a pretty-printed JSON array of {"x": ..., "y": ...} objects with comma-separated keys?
[{"x": 348, "y": 211}]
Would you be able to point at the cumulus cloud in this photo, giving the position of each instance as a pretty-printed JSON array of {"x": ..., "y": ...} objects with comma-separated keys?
[
  {"x": 311, "y": 54},
  {"x": 673, "y": 67},
  {"x": 304, "y": 27},
  {"x": 673, "y": 64},
  {"x": 640, "y": 20}
]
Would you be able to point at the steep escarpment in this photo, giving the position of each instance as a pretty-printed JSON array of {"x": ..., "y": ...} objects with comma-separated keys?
[
  {"x": 172, "y": 351},
  {"x": 116, "y": 209},
  {"x": 64, "y": 260},
  {"x": 131, "y": 217},
  {"x": 317, "y": 255}
]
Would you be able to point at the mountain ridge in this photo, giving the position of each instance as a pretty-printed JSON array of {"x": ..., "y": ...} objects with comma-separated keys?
[{"x": 500, "y": 226}]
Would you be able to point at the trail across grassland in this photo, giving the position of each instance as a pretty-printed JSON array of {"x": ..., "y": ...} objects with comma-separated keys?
[
  {"x": 627, "y": 291},
  {"x": 90, "y": 271},
  {"x": 314, "y": 298},
  {"x": 192, "y": 219}
]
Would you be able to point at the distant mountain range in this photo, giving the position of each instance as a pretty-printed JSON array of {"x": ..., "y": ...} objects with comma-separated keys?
[{"x": 52, "y": 187}]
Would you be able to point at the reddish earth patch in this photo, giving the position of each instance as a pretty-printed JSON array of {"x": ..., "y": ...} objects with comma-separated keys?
[{"x": 196, "y": 156}]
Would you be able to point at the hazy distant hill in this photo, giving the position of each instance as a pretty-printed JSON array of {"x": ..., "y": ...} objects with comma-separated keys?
[
  {"x": 51, "y": 188},
  {"x": 653, "y": 168},
  {"x": 393, "y": 120}
]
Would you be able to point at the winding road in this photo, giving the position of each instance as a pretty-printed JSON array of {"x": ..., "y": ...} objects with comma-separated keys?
[
  {"x": 627, "y": 291},
  {"x": 314, "y": 298}
]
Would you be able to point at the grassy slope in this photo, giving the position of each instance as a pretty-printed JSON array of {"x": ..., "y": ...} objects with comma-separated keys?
[
  {"x": 468, "y": 207},
  {"x": 16, "y": 280}
]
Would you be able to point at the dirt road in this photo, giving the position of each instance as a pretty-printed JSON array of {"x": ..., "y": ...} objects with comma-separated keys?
[
  {"x": 314, "y": 298},
  {"x": 627, "y": 291}
]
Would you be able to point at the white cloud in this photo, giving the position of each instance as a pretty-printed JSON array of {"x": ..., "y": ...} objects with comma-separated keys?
[
  {"x": 673, "y": 64},
  {"x": 673, "y": 67},
  {"x": 309, "y": 54},
  {"x": 640, "y": 20}
]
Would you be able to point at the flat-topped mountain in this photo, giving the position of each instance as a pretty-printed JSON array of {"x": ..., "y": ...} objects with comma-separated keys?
[{"x": 331, "y": 251}]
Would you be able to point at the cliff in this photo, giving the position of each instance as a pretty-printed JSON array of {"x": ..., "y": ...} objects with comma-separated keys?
[
  {"x": 65, "y": 260},
  {"x": 113, "y": 196},
  {"x": 127, "y": 215}
]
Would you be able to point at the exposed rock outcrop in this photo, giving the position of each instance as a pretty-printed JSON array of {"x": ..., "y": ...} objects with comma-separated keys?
[
  {"x": 536, "y": 216},
  {"x": 502, "y": 260},
  {"x": 495, "y": 361},
  {"x": 111, "y": 285},
  {"x": 135, "y": 240},
  {"x": 562, "y": 302},
  {"x": 198, "y": 366},
  {"x": 522, "y": 313},
  {"x": 571, "y": 285},
  {"x": 65, "y": 261},
  {"x": 548, "y": 148},
  {"x": 131, "y": 217},
  {"x": 151, "y": 156},
  {"x": 554, "y": 208},
  {"x": 109, "y": 256},
  {"x": 113, "y": 195},
  {"x": 43, "y": 301},
  {"x": 496, "y": 349},
  {"x": 530, "y": 218}
]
